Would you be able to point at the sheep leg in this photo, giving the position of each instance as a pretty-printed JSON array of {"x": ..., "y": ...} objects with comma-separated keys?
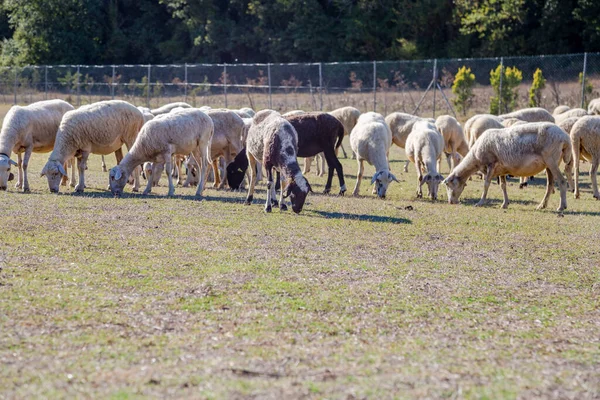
[
  {"x": 420, "y": 180},
  {"x": 73, "y": 181},
  {"x": 504, "y": 193},
  {"x": 259, "y": 171},
  {"x": 227, "y": 159},
  {"x": 320, "y": 164},
  {"x": 81, "y": 166},
  {"x": 576, "y": 155},
  {"x": 593, "y": 173},
  {"x": 104, "y": 165},
  {"x": 334, "y": 162},
  {"x": 270, "y": 185},
  {"x": 406, "y": 166},
  {"x": 215, "y": 168},
  {"x": 549, "y": 187},
  {"x": 24, "y": 166},
  {"x": 201, "y": 156},
  {"x": 486, "y": 185},
  {"x": 449, "y": 158},
  {"x": 168, "y": 170},
  {"x": 253, "y": 173},
  {"x": 343, "y": 151},
  {"x": 359, "y": 175},
  {"x": 282, "y": 205},
  {"x": 149, "y": 180},
  {"x": 307, "y": 163},
  {"x": 19, "y": 183}
]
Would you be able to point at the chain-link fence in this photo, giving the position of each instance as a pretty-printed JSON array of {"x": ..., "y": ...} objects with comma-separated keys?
[{"x": 422, "y": 87}]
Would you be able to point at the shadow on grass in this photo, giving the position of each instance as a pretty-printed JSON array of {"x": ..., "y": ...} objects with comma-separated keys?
[
  {"x": 359, "y": 217},
  {"x": 497, "y": 202}
]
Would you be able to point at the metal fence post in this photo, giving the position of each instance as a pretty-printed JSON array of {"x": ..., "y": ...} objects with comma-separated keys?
[
  {"x": 321, "y": 85},
  {"x": 500, "y": 91},
  {"x": 45, "y": 82},
  {"x": 112, "y": 83},
  {"x": 16, "y": 84},
  {"x": 185, "y": 78},
  {"x": 583, "y": 80},
  {"x": 78, "y": 91},
  {"x": 148, "y": 88},
  {"x": 375, "y": 86},
  {"x": 434, "y": 83},
  {"x": 269, "y": 78},
  {"x": 225, "y": 83}
]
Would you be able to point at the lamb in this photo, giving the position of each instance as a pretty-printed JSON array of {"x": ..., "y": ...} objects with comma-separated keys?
[
  {"x": 585, "y": 136},
  {"x": 371, "y": 140},
  {"x": 28, "y": 129},
  {"x": 168, "y": 107},
  {"x": 455, "y": 145},
  {"x": 320, "y": 133},
  {"x": 274, "y": 140},
  {"x": 184, "y": 132},
  {"x": 424, "y": 148},
  {"x": 521, "y": 150},
  {"x": 348, "y": 117},
  {"x": 559, "y": 110},
  {"x": 401, "y": 125},
  {"x": 574, "y": 112},
  {"x": 534, "y": 114},
  {"x": 99, "y": 128},
  {"x": 594, "y": 107}
]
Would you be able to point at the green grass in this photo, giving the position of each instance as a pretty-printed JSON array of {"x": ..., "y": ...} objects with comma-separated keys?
[{"x": 355, "y": 297}]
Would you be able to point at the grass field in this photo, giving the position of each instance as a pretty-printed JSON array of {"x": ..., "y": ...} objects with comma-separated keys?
[{"x": 354, "y": 298}]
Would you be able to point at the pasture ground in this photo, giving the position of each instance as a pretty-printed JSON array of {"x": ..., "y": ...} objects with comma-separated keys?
[{"x": 148, "y": 296}]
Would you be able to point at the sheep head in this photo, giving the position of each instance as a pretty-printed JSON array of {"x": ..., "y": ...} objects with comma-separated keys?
[
  {"x": 454, "y": 188},
  {"x": 53, "y": 171},
  {"x": 297, "y": 190},
  {"x": 382, "y": 180},
  {"x": 5, "y": 174},
  {"x": 117, "y": 178},
  {"x": 433, "y": 182}
]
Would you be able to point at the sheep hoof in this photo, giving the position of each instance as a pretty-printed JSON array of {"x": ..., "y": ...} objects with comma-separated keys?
[
  {"x": 597, "y": 196},
  {"x": 248, "y": 200},
  {"x": 522, "y": 185},
  {"x": 268, "y": 208},
  {"x": 274, "y": 203},
  {"x": 341, "y": 193},
  {"x": 479, "y": 204},
  {"x": 355, "y": 194},
  {"x": 135, "y": 190},
  {"x": 505, "y": 205},
  {"x": 540, "y": 207},
  {"x": 26, "y": 190},
  {"x": 576, "y": 195},
  {"x": 282, "y": 207},
  {"x": 145, "y": 192},
  {"x": 18, "y": 185},
  {"x": 327, "y": 191}
]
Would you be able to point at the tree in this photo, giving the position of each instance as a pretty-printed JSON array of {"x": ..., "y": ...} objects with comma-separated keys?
[
  {"x": 463, "y": 89},
  {"x": 505, "y": 99},
  {"x": 535, "y": 92}
]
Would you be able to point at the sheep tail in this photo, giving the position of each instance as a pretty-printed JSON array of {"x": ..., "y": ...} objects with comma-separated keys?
[{"x": 340, "y": 138}]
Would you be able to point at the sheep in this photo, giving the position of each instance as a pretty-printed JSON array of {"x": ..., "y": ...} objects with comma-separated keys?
[
  {"x": 507, "y": 123},
  {"x": 293, "y": 112},
  {"x": 152, "y": 172},
  {"x": 184, "y": 132},
  {"x": 574, "y": 112},
  {"x": 585, "y": 136},
  {"x": 424, "y": 148},
  {"x": 480, "y": 125},
  {"x": 226, "y": 140},
  {"x": 320, "y": 133},
  {"x": 471, "y": 121},
  {"x": 567, "y": 124},
  {"x": 348, "y": 117},
  {"x": 248, "y": 111},
  {"x": 534, "y": 114},
  {"x": 168, "y": 107},
  {"x": 401, "y": 125},
  {"x": 274, "y": 140},
  {"x": 26, "y": 130},
  {"x": 371, "y": 140},
  {"x": 559, "y": 110},
  {"x": 521, "y": 150},
  {"x": 455, "y": 145},
  {"x": 99, "y": 128},
  {"x": 594, "y": 107}
]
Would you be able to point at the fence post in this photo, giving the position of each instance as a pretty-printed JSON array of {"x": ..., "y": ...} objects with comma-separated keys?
[
  {"x": 225, "y": 83},
  {"x": 583, "y": 80},
  {"x": 112, "y": 83},
  {"x": 500, "y": 90},
  {"x": 321, "y": 85},
  {"x": 185, "y": 77},
  {"x": 374, "y": 86},
  {"x": 269, "y": 78},
  {"x": 434, "y": 84},
  {"x": 148, "y": 88},
  {"x": 45, "y": 82},
  {"x": 78, "y": 91},
  {"x": 16, "y": 84}
]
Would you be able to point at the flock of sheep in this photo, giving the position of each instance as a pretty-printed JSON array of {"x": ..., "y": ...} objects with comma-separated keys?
[{"x": 240, "y": 145}]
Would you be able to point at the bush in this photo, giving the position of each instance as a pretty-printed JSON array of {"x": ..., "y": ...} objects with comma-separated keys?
[
  {"x": 535, "y": 92},
  {"x": 462, "y": 88},
  {"x": 505, "y": 101}
]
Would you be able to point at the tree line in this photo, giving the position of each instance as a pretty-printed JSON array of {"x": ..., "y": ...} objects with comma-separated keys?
[{"x": 217, "y": 31}]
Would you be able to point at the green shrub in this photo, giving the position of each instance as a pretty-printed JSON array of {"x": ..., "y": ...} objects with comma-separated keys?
[
  {"x": 505, "y": 101},
  {"x": 535, "y": 92},
  {"x": 462, "y": 88}
]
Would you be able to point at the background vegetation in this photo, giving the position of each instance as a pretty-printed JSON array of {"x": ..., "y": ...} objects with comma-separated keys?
[{"x": 157, "y": 31}]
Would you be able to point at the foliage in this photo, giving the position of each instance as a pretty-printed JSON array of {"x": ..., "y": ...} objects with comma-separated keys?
[
  {"x": 505, "y": 99},
  {"x": 463, "y": 89},
  {"x": 535, "y": 92}
]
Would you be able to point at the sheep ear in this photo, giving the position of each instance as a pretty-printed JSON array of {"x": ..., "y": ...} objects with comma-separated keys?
[
  {"x": 11, "y": 176},
  {"x": 393, "y": 177},
  {"x": 288, "y": 190},
  {"x": 11, "y": 162},
  {"x": 374, "y": 178},
  {"x": 309, "y": 187},
  {"x": 439, "y": 178},
  {"x": 61, "y": 169},
  {"x": 43, "y": 173},
  {"x": 427, "y": 178},
  {"x": 118, "y": 174}
]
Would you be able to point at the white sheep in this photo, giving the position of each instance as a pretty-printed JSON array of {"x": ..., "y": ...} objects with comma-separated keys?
[
  {"x": 585, "y": 136},
  {"x": 29, "y": 129},
  {"x": 424, "y": 148},
  {"x": 480, "y": 125},
  {"x": 248, "y": 111},
  {"x": 594, "y": 107},
  {"x": 533, "y": 114},
  {"x": 99, "y": 128},
  {"x": 574, "y": 112},
  {"x": 184, "y": 132},
  {"x": 226, "y": 141},
  {"x": 371, "y": 140},
  {"x": 521, "y": 150},
  {"x": 293, "y": 112},
  {"x": 470, "y": 121},
  {"x": 168, "y": 107},
  {"x": 560, "y": 109},
  {"x": 507, "y": 123},
  {"x": 348, "y": 117},
  {"x": 567, "y": 124},
  {"x": 401, "y": 125},
  {"x": 455, "y": 145}
]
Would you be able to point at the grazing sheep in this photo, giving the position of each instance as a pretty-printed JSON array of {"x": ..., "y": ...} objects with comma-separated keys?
[
  {"x": 168, "y": 107},
  {"x": 226, "y": 140},
  {"x": 401, "y": 125},
  {"x": 424, "y": 148},
  {"x": 585, "y": 136},
  {"x": 371, "y": 140},
  {"x": 471, "y": 121},
  {"x": 482, "y": 124},
  {"x": 559, "y": 110},
  {"x": 574, "y": 112},
  {"x": 184, "y": 132},
  {"x": 320, "y": 133},
  {"x": 29, "y": 129},
  {"x": 274, "y": 140},
  {"x": 594, "y": 107},
  {"x": 348, "y": 117},
  {"x": 455, "y": 145},
  {"x": 521, "y": 150},
  {"x": 534, "y": 114},
  {"x": 99, "y": 128}
]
